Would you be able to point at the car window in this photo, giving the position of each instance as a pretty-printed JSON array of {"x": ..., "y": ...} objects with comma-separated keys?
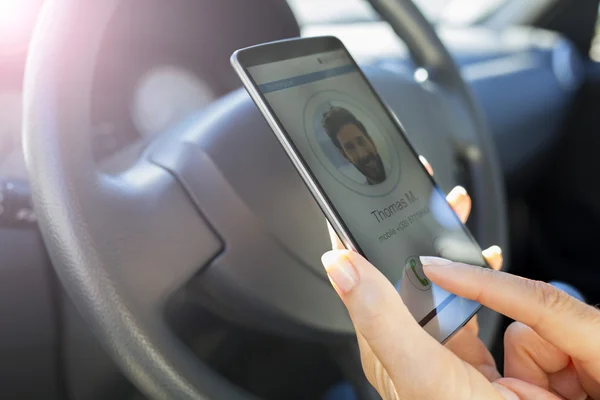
[{"x": 457, "y": 12}]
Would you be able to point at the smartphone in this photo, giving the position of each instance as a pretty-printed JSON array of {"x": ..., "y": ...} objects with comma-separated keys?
[{"x": 356, "y": 160}]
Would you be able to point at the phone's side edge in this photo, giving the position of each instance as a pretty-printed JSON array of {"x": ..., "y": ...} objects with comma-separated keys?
[{"x": 289, "y": 149}]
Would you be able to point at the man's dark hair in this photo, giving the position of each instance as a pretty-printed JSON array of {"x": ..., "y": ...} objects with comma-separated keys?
[{"x": 336, "y": 118}]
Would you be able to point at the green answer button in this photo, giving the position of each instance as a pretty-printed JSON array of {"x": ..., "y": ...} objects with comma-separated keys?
[{"x": 414, "y": 271}]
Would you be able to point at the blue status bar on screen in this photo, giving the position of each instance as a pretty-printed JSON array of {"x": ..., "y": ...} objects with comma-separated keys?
[{"x": 306, "y": 78}]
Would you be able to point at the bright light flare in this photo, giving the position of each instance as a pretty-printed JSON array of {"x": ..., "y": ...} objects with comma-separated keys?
[
  {"x": 17, "y": 19},
  {"x": 12, "y": 13}
]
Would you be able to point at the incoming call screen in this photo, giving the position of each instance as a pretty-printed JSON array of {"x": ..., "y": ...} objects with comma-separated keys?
[{"x": 371, "y": 177}]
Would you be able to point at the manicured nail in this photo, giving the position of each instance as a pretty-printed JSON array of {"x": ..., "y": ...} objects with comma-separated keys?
[
  {"x": 435, "y": 261},
  {"x": 428, "y": 166},
  {"x": 340, "y": 270},
  {"x": 457, "y": 192},
  {"x": 490, "y": 251}
]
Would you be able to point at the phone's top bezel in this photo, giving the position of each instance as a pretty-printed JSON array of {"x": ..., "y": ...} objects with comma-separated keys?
[{"x": 286, "y": 49}]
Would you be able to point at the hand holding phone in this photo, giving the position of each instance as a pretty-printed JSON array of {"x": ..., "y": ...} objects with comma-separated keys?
[
  {"x": 549, "y": 351},
  {"x": 465, "y": 343}
]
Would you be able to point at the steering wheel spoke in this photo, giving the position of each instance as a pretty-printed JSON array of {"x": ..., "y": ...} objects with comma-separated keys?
[{"x": 152, "y": 235}]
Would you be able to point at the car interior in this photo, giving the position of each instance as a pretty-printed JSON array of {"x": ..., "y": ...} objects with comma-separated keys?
[{"x": 156, "y": 241}]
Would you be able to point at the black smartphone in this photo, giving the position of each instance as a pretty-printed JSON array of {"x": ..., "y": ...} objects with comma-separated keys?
[{"x": 356, "y": 160}]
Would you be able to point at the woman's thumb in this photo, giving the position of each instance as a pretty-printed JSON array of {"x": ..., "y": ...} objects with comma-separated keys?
[{"x": 418, "y": 366}]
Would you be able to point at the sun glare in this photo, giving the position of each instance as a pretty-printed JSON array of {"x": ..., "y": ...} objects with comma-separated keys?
[
  {"x": 13, "y": 13},
  {"x": 17, "y": 19}
]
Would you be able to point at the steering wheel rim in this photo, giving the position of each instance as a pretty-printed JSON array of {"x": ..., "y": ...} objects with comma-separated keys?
[{"x": 119, "y": 286}]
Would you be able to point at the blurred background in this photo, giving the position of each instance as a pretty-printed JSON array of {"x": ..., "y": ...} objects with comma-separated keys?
[{"x": 532, "y": 65}]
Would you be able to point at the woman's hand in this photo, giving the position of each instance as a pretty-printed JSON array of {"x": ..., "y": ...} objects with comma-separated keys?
[
  {"x": 400, "y": 359},
  {"x": 555, "y": 345},
  {"x": 528, "y": 357},
  {"x": 552, "y": 351},
  {"x": 466, "y": 343}
]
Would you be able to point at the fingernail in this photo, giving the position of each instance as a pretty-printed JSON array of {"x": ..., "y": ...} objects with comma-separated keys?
[
  {"x": 340, "y": 270},
  {"x": 435, "y": 261},
  {"x": 456, "y": 193},
  {"x": 426, "y": 164},
  {"x": 490, "y": 251}
]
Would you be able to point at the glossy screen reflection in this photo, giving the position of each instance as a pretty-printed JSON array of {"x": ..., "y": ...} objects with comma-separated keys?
[{"x": 371, "y": 177}]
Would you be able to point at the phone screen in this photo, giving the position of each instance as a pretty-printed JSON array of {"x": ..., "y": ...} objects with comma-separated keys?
[{"x": 370, "y": 177}]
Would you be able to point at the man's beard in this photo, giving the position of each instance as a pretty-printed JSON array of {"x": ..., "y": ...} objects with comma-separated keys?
[{"x": 372, "y": 167}]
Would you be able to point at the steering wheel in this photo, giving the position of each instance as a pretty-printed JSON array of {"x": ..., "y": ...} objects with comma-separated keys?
[{"x": 213, "y": 209}]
